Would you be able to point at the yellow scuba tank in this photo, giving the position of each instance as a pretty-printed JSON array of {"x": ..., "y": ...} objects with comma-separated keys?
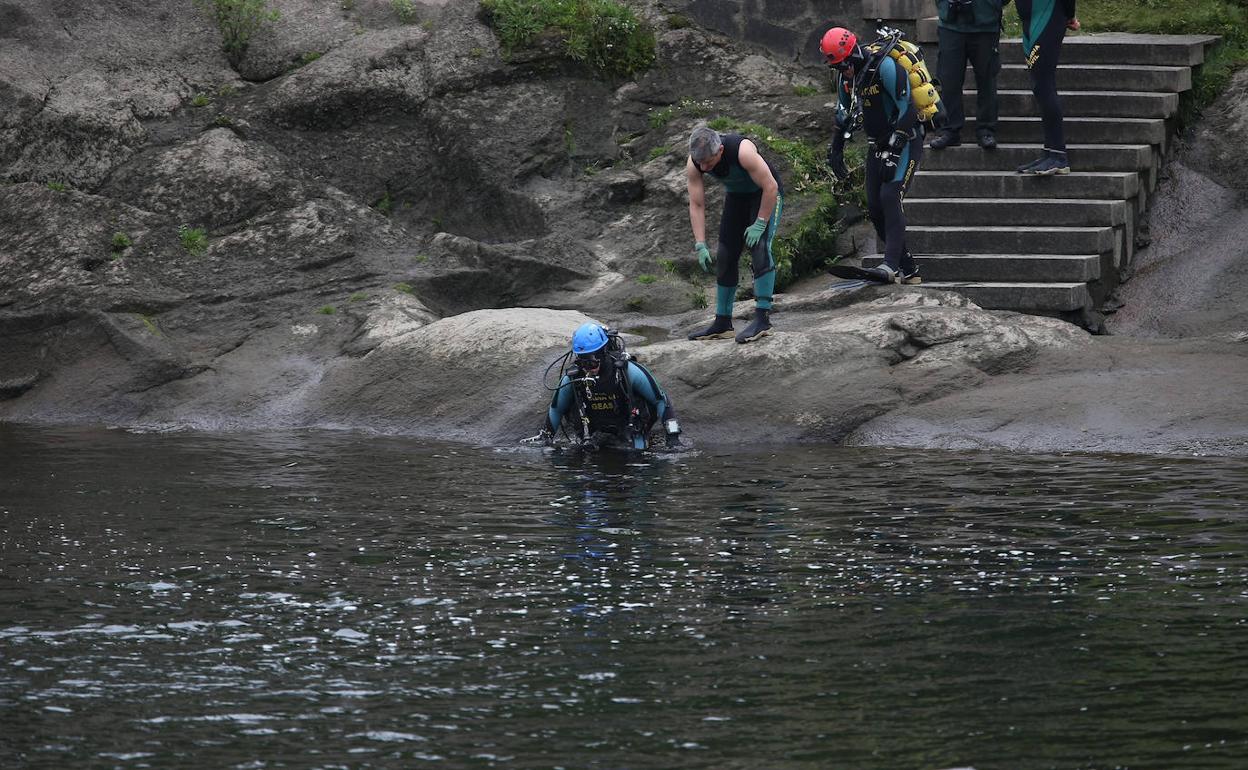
[{"x": 909, "y": 57}]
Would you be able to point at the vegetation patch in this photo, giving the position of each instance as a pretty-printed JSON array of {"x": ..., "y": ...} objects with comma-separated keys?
[
  {"x": 56, "y": 186},
  {"x": 689, "y": 107},
  {"x": 150, "y": 325},
  {"x": 646, "y": 278},
  {"x": 405, "y": 288},
  {"x": 327, "y": 310},
  {"x": 238, "y": 21},
  {"x": 603, "y": 34},
  {"x": 193, "y": 239},
  {"x": 120, "y": 242},
  {"x": 405, "y": 10},
  {"x": 358, "y": 296},
  {"x": 201, "y": 100},
  {"x": 657, "y": 152}
]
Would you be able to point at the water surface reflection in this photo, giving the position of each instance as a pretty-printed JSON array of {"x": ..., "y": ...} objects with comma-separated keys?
[{"x": 326, "y": 600}]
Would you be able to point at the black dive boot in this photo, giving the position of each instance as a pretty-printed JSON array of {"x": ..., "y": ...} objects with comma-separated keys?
[
  {"x": 759, "y": 327},
  {"x": 720, "y": 329}
]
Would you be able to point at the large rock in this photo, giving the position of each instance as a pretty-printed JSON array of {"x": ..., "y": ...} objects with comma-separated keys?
[{"x": 473, "y": 376}]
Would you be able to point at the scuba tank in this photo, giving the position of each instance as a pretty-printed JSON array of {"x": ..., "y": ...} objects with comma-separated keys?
[{"x": 909, "y": 57}]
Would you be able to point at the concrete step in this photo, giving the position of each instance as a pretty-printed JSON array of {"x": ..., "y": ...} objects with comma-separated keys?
[
  {"x": 1032, "y": 268},
  {"x": 1023, "y": 297},
  {"x": 1078, "y": 130},
  {"x": 1107, "y": 185},
  {"x": 939, "y": 239},
  {"x": 1029, "y": 212},
  {"x": 893, "y": 9},
  {"x": 1122, "y": 48},
  {"x": 1094, "y": 104},
  {"x": 1008, "y": 157},
  {"x": 1098, "y": 77}
]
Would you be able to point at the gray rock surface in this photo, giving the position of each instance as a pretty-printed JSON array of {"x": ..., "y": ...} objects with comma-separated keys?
[{"x": 394, "y": 227}]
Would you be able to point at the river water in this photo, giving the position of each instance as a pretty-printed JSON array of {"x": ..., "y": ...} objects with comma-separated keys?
[{"x": 337, "y": 600}]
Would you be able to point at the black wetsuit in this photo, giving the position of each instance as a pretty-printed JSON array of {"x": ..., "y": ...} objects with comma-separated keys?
[
  {"x": 740, "y": 210},
  {"x": 1044, "y": 27},
  {"x": 620, "y": 387},
  {"x": 883, "y": 88}
]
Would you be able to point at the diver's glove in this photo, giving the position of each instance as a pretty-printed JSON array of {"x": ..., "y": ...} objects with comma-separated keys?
[
  {"x": 544, "y": 437},
  {"x": 897, "y": 141},
  {"x": 705, "y": 260},
  {"x": 755, "y": 231},
  {"x": 836, "y": 156}
]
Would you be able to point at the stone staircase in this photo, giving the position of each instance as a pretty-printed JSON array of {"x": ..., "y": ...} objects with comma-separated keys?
[{"x": 1050, "y": 245}]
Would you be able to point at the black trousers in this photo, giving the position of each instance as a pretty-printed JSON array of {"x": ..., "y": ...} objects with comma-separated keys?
[
  {"x": 886, "y": 187},
  {"x": 983, "y": 51},
  {"x": 1042, "y": 62}
]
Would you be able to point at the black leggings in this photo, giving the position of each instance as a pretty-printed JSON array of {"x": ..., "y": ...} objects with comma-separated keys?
[
  {"x": 886, "y": 187},
  {"x": 1042, "y": 63}
]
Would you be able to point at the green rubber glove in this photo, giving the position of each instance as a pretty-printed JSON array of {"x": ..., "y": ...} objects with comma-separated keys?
[
  {"x": 755, "y": 231},
  {"x": 704, "y": 256}
]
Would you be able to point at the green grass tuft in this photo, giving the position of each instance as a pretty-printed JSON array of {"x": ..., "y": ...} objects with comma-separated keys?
[
  {"x": 603, "y": 34},
  {"x": 193, "y": 239},
  {"x": 120, "y": 242},
  {"x": 646, "y": 278},
  {"x": 405, "y": 288},
  {"x": 238, "y": 22},
  {"x": 327, "y": 310},
  {"x": 405, "y": 10}
]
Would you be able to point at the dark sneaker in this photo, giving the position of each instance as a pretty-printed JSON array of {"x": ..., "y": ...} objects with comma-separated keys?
[
  {"x": 759, "y": 327},
  {"x": 988, "y": 140},
  {"x": 911, "y": 277},
  {"x": 1052, "y": 163},
  {"x": 720, "y": 329},
  {"x": 882, "y": 273},
  {"x": 945, "y": 139},
  {"x": 1026, "y": 167}
]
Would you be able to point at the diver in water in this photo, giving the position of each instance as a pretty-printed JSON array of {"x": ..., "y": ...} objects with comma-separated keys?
[{"x": 605, "y": 398}]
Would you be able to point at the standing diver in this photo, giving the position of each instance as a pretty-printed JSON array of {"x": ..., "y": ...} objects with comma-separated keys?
[
  {"x": 1044, "y": 25},
  {"x": 606, "y": 398},
  {"x": 894, "y": 138},
  {"x": 752, "y": 204}
]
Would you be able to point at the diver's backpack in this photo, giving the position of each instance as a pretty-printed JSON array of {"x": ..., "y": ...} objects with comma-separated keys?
[{"x": 909, "y": 57}]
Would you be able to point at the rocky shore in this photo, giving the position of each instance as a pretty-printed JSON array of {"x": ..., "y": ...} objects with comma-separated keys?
[{"x": 391, "y": 227}]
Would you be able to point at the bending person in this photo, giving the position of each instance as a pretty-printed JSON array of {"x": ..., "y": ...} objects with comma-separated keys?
[
  {"x": 752, "y": 204},
  {"x": 894, "y": 138}
]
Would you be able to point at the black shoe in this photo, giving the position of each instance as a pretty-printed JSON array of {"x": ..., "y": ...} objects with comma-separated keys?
[
  {"x": 759, "y": 327},
  {"x": 945, "y": 139},
  {"x": 910, "y": 277},
  {"x": 1053, "y": 162},
  {"x": 720, "y": 329},
  {"x": 882, "y": 273},
  {"x": 988, "y": 140},
  {"x": 1026, "y": 167}
]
